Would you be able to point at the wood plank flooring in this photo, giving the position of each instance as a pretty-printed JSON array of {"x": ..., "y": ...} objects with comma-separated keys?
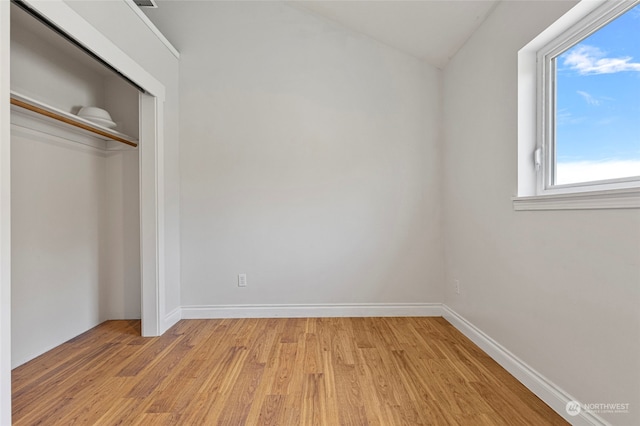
[{"x": 306, "y": 371}]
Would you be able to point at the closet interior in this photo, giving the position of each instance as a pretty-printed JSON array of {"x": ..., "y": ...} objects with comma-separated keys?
[{"x": 74, "y": 190}]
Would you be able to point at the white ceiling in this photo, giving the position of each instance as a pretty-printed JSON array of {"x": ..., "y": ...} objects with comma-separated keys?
[{"x": 433, "y": 30}]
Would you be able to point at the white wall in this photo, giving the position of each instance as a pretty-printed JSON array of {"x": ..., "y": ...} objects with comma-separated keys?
[
  {"x": 75, "y": 208},
  {"x": 558, "y": 289},
  {"x": 309, "y": 160},
  {"x": 58, "y": 202},
  {"x": 5, "y": 220},
  {"x": 120, "y": 297},
  {"x": 42, "y": 71},
  {"x": 128, "y": 32},
  {"x": 75, "y": 245}
]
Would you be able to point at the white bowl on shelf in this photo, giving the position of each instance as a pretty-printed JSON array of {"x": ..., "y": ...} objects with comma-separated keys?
[{"x": 97, "y": 115}]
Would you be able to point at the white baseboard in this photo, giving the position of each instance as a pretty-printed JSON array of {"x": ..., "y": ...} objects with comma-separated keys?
[
  {"x": 543, "y": 388},
  {"x": 172, "y": 318},
  {"x": 546, "y": 390},
  {"x": 302, "y": 311}
]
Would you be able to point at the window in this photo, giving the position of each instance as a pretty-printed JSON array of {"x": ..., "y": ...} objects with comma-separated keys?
[{"x": 579, "y": 108}]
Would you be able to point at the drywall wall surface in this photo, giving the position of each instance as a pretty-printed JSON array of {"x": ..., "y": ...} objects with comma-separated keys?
[
  {"x": 559, "y": 289},
  {"x": 49, "y": 74},
  {"x": 309, "y": 160},
  {"x": 122, "y": 102},
  {"x": 58, "y": 204},
  {"x": 121, "y": 297},
  {"x": 5, "y": 220},
  {"x": 75, "y": 236},
  {"x": 117, "y": 21}
]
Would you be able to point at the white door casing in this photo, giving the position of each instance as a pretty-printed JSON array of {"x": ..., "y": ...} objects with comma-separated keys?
[{"x": 151, "y": 175}]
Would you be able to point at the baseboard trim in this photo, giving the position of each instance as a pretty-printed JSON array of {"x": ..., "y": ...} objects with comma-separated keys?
[
  {"x": 172, "y": 318},
  {"x": 543, "y": 388},
  {"x": 302, "y": 311}
]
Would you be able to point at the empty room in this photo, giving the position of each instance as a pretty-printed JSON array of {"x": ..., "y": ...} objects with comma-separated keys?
[{"x": 320, "y": 212}]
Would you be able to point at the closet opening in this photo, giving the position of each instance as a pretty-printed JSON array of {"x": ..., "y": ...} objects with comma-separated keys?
[{"x": 75, "y": 189}]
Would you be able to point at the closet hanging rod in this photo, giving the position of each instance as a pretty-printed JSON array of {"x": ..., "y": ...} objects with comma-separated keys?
[{"x": 70, "y": 119}]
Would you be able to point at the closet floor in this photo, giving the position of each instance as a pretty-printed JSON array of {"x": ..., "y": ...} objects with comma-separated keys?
[{"x": 303, "y": 371}]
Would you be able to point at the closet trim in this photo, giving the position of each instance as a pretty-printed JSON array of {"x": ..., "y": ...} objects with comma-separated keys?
[
  {"x": 24, "y": 6},
  {"x": 68, "y": 21},
  {"x": 151, "y": 155},
  {"x": 5, "y": 218}
]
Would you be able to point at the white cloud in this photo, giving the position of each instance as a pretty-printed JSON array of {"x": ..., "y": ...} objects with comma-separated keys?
[
  {"x": 564, "y": 116},
  {"x": 591, "y": 60},
  {"x": 588, "y": 171},
  {"x": 588, "y": 98},
  {"x": 606, "y": 121}
]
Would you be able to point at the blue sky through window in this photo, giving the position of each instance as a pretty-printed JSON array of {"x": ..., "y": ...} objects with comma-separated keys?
[{"x": 598, "y": 104}]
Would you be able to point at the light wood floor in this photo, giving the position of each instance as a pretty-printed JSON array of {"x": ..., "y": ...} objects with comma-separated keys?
[{"x": 318, "y": 371}]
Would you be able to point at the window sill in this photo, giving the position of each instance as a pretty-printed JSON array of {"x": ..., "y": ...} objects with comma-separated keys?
[{"x": 611, "y": 199}]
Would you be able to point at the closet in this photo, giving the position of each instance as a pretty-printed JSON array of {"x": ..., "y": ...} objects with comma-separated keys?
[{"x": 74, "y": 191}]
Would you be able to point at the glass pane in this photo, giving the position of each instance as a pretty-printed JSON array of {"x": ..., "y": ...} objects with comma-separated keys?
[{"x": 598, "y": 104}]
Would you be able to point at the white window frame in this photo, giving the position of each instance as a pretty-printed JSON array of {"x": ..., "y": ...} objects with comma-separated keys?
[{"x": 536, "y": 115}]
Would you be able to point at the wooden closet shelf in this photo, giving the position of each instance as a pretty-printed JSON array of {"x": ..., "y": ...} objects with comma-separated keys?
[{"x": 71, "y": 119}]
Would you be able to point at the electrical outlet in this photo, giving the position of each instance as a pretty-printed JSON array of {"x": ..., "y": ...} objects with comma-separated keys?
[
  {"x": 457, "y": 284},
  {"x": 242, "y": 280}
]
